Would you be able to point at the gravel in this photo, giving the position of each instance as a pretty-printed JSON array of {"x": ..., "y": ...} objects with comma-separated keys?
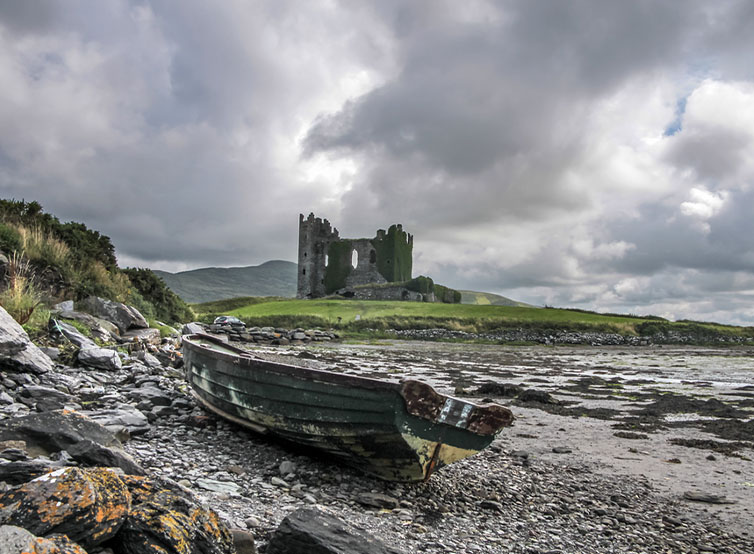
[{"x": 496, "y": 501}]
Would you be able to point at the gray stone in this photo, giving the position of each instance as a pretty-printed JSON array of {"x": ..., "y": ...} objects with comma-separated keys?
[
  {"x": 51, "y": 351},
  {"x": 310, "y": 530},
  {"x": 90, "y": 453},
  {"x": 150, "y": 335},
  {"x": 287, "y": 467},
  {"x": 100, "y": 358},
  {"x": 148, "y": 359},
  {"x": 101, "y": 328},
  {"x": 192, "y": 328},
  {"x": 61, "y": 329},
  {"x": 278, "y": 482},
  {"x": 65, "y": 306},
  {"x": 23, "y": 471},
  {"x": 16, "y": 349},
  {"x": 243, "y": 541},
  {"x": 152, "y": 394},
  {"x": 116, "y": 419},
  {"x": 707, "y": 498},
  {"x": 377, "y": 500},
  {"x": 222, "y": 487},
  {"x": 163, "y": 411},
  {"x": 123, "y": 316},
  {"x": 40, "y": 391},
  {"x": 533, "y": 395},
  {"x": 15, "y": 540}
]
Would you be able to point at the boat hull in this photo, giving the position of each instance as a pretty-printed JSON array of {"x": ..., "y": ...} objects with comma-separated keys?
[{"x": 396, "y": 432}]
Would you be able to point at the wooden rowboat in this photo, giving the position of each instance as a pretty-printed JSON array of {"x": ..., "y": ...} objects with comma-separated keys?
[{"x": 395, "y": 431}]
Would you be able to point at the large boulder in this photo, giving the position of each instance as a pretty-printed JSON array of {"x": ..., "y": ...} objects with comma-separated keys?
[
  {"x": 165, "y": 520},
  {"x": 101, "y": 328},
  {"x": 123, "y": 316},
  {"x": 85, "y": 440},
  {"x": 17, "y": 352},
  {"x": 314, "y": 531},
  {"x": 100, "y": 358},
  {"x": 87, "y": 505}
]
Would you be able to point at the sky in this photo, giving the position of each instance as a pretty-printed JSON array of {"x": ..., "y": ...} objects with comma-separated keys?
[{"x": 596, "y": 154}]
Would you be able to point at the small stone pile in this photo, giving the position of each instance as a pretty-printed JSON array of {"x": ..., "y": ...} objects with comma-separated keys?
[{"x": 269, "y": 335}]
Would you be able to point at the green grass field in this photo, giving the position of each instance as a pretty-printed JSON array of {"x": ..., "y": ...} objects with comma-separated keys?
[
  {"x": 355, "y": 316},
  {"x": 345, "y": 311}
]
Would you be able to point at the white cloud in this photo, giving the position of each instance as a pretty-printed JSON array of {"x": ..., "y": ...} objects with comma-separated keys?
[{"x": 704, "y": 204}]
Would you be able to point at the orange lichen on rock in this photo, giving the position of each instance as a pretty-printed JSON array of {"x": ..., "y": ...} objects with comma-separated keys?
[
  {"x": 165, "y": 521},
  {"x": 212, "y": 536},
  {"x": 140, "y": 487},
  {"x": 88, "y": 506},
  {"x": 160, "y": 524},
  {"x": 57, "y": 544}
]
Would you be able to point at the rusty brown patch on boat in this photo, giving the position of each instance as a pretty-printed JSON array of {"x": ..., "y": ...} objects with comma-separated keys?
[
  {"x": 422, "y": 400},
  {"x": 488, "y": 419}
]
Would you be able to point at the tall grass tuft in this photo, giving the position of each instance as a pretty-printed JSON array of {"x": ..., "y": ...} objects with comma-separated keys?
[
  {"x": 38, "y": 246},
  {"x": 20, "y": 297}
]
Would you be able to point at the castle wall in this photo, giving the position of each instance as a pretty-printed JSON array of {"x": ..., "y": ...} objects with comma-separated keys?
[
  {"x": 394, "y": 253},
  {"x": 383, "y": 292},
  {"x": 365, "y": 271}
]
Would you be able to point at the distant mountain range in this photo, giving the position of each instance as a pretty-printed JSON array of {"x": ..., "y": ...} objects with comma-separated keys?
[{"x": 273, "y": 278}]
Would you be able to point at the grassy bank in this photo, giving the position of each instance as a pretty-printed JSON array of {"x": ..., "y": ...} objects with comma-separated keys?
[{"x": 355, "y": 316}]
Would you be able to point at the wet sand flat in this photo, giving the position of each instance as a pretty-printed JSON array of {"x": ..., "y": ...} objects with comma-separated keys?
[{"x": 683, "y": 417}]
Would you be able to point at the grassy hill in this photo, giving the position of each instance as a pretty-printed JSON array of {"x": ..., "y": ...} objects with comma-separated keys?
[
  {"x": 273, "y": 278},
  {"x": 45, "y": 261},
  {"x": 355, "y": 315},
  {"x": 489, "y": 299}
]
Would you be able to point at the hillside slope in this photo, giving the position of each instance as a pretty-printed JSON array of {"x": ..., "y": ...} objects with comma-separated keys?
[
  {"x": 487, "y": 299},
  {"x": 273, "y": 278}
]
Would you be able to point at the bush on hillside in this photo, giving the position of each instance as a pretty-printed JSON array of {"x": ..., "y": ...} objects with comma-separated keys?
[
  {"x": 168, "y": 306},
  {"x": 10, "y": 239},
  {"x": 72, "y": 261},
  {"x": 85, "y": 244}
]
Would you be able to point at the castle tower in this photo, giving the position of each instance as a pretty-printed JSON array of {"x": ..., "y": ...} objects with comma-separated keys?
[{"x": 314, "y": 238}]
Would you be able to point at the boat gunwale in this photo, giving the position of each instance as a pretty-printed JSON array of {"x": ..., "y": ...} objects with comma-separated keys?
[{"x": 244, "y": 357}]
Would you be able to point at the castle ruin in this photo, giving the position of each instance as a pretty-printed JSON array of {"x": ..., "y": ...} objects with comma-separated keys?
[{"x": 326, "y": 262}]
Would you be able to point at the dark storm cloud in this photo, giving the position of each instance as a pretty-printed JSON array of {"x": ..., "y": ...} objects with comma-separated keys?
[{"x": 30, "y": 16}]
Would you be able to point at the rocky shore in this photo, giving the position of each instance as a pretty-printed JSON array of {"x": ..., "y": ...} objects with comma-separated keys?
[
  {"x": 274, "y": 336},
  {"x": 564, "y": 337},
  {"x": 191, "y": 482}
]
